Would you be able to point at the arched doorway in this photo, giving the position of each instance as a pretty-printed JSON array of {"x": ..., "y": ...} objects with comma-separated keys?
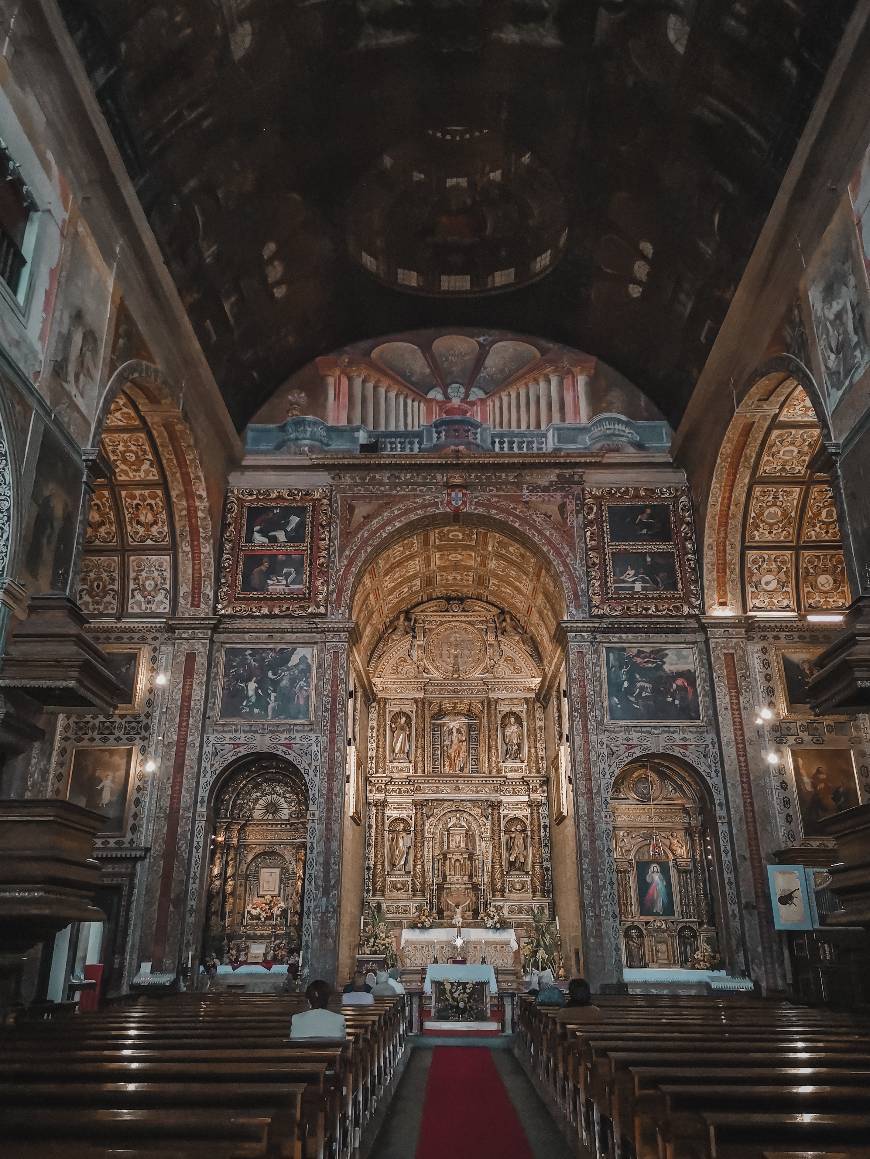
[
  {"x": 254, "y": 907},
  {"x": 666, "y": 858}
]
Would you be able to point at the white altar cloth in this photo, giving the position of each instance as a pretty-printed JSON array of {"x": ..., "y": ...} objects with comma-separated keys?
[
  {"x": 469, "y": 934},
  {"x": 460, "y": 974}
]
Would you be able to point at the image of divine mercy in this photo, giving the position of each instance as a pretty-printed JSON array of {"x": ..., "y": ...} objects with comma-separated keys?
[{"x": 656, "y": 898}]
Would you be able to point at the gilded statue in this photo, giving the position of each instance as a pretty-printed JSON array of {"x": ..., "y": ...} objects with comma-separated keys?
[
  {"x": 517, "y": 852},
  {"x": 512, "y": 737},
  {"x": 400, "y": 742},
  {"x": 455, "y": 749},
  {"x": 399, "y": 850}
]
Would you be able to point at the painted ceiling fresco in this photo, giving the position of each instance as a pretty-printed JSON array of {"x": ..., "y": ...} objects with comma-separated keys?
[{"x": 321, "y": 171}]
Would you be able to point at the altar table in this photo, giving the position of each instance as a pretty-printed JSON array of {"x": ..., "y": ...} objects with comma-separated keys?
[
  {"x": 460, "y": 974},
  {"x": 420, "y": 947}
]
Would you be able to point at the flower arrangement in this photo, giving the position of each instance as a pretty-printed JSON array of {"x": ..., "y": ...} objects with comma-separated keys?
[
  {"x": 376, "y": 938},
  {"x": 266, "y": 909},
  {"x": 541, "y": 949},
  {"x": 423, "y": 918},
  {"x": 494, "y": 918}
]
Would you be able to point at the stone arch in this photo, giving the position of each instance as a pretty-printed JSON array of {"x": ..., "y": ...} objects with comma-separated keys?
[
  {"x": 782, "y": 393},
  {"x": 259, "y": 821},
  {"x": 666, "y": 842},
  {"x": 141, "y": 387}
]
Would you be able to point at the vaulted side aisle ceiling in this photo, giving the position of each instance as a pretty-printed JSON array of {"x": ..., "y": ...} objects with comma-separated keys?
[{"x": 322, "y": 171}]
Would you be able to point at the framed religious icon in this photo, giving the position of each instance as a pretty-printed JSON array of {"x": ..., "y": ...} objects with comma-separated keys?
[
  {"x": 826, "y": 784},
  {"x": 269, "y": 883},
  {"x": 655, "y": 889},
  {"x": 275, "y": 551},
  {"x": 651, "y": 684},
  {"x": 640, "y": 551},
  {"x": 126, "y": 663},
  {"x": 99, "y": 779},
  {"x": 796, "y": 669},
  {"x": 266, "y": 683},
  {"x": 789, "y": 897}
]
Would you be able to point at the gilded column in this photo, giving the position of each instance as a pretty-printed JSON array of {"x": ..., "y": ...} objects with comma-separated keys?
[
  {"x": 497, "y": 864},
  {"x": 379, "y": 873},
  {"x": 232, "y": 856},
  {"x": 418, "y": 866},
  {"x": 216, "y": 884},
  {"x": 537, "y": 849},
  {"x": 704, "y": 911},
  {"x": 420, "y": 731}
]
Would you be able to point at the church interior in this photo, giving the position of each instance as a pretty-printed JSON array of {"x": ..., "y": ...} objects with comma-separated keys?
[{"x": 435, "y": 579}]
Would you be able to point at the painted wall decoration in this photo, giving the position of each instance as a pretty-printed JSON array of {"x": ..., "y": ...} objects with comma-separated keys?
[
  {"x": 789, "y": 897},
  {"x": 651, "y": 684},
  {"x": 796, "y": 670},
  {"x": 275, "y": 551},
  {"x": 269, "y": 684},
  {"x": 825, "y": 782},
  {"x": 655, "y": 890},
  {"x": 99, "y": 779},
  {"x": 640, "y": 551},
  {"x": 837, "y": 290},
  {"x": 53, "y": 520},
  {"x": 125, "y": 662}
]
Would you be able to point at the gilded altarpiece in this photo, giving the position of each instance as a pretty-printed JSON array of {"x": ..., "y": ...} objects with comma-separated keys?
[{"x": 457, "y": 781}]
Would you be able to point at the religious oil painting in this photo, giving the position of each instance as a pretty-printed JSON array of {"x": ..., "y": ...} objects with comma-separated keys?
[
  {"x": 125, "y": 664},
  {"x": 276, "y": 573},
  {"x": 655, "y": 892},
  {"x": 643, "y": 572},
  {"x": 267, "y": 684},
  {"x": 639, "y": 523},
  {"x": 825, "y": 782},
  {"x": 650, "y": 684},
  {"x": 789, "y": 897},
  {"x": 53, "y": 517},
  {"x": 275, "y": 551},
  {"x": 99, "y": 780},
  {"x": 797, "y": 669},
  {"x": 838, "y": 302},
  {"x": 276, "y": 525}
]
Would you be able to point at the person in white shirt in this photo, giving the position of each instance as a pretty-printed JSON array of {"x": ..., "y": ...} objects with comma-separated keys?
[
  {"x": 382, "y": 987},
  {"x": 318, "y": 1022},
  {"x": 359, "y": 994},
  {"x": 393, "y": 977}
]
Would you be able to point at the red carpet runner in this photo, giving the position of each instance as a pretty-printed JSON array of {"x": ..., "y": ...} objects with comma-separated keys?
[{"x": 467, "y": 1113}]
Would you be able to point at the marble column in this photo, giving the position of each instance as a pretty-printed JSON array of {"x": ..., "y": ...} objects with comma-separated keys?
[
  {"x": 544, "y": 395},
  {"x": 534, "y": 392},
  {"x": 418, "y": 864},
  {"x": 379, "y": 873},
  {"x": 390, "y": 422},
  {"x": 523, "y": 392},
  {"x": 497, "y": 864},
  {"x": 380, "y": 407},
  {"x": 329, "y": 382},
  {"x": 556, "y": 398},
  {"x": 537, "y": 847},
  {"x": 355, "y": 414},
  {"x": 369, "y": 404},
  {"x": 584, "y": 398}
]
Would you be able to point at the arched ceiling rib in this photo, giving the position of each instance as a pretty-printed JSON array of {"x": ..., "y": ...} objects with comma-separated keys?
[{"x": 459, "y": 561}]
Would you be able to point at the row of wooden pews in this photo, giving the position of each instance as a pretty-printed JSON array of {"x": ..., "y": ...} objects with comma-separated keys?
[
  {"x": 195, "y": 1076},
  {"x": 704, "y": 1078}
]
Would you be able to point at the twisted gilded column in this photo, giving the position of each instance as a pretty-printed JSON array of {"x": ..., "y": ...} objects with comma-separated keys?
[
  {"x": 379, "y": 873},
  {"x": 537, "y": 849},
  {"x": 497, "y": 864},
  {"x": 232, "y": 856},
  {"x": 418, "y": 864}
]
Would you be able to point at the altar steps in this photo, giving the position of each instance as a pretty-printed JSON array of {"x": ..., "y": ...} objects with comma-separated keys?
[{"x": 436, "y": 1029}]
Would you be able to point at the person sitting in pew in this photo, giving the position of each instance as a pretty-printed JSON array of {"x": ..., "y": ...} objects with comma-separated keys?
[
  {"x": 579, "y": 1007},
  {"x": 318, "y": 1022},
  {"x": 549, "y": 994},
  {"x": 395, "y": 980},
  {"x": 359, "y": 994},
  {"x": 382, "y": 987}
]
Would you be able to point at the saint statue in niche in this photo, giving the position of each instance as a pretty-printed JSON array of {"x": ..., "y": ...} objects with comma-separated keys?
[
  {"x": 512, "y": 737},
  {"x": 400, "y": 744},
  {"x": 400, "y": 848},
  {"x": 455, "y": 749},
  {"x": 517, "y": 848}
]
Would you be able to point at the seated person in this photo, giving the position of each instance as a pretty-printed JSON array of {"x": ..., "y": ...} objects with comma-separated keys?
[
  {"x": 318, "y": 1022},
  {"x": 383, "y": 987},
  {"x": 371, "y": 978},
  {"x": 394, "y": 976},
  {"x": 549, "y": 993},
  {"x": 579, "y": 1007},
  {"x": 357, "y": 992}
]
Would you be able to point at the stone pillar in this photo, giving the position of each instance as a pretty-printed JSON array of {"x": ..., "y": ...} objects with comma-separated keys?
[
  {"x": 390, "y": 421},
  {"x": 355, "y": 414},
  {"x": 556, "y": 398},
  {"x": 534, "y": 392},
  {"x": 497, "y": 886},
  {"x": 523, "y": 392},
  {"x": 544, "y": 395},
  {"x": 380, "y": 407},
  {"x": 418, "y": 864},
  {"x": 584, "y": 397},
  {"x": 537, "y": 847},
  {"x": 329, "y": 383},
  {"x": 379, "y": 873},
  {"x": 369, "y": 404}
]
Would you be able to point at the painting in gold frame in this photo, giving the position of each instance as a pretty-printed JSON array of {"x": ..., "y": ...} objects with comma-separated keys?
[
  {"x": 126, "y": 662},
  {"x": 796, "y": 669},
  {"x": 826, "y": 784}
]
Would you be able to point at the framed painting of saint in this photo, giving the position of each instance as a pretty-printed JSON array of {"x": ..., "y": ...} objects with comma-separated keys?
[
  {"x": 643, "y": 572},
  {"x": 266, "y": 684},
  {"x": 126, "y": 663},
  {"x": 99, "y": 779},
  {"x": 825, "y": 782},
  {"x": 797, "y": 668},
  {"x": 650, "y": 684},
  {"x": 639, "y": 523},
  {"x": 275, "y": 551},
  {"x": 655, "y": 891}
]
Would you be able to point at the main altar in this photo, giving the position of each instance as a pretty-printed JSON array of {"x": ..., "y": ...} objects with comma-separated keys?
[{"x": 496, "y": 948}]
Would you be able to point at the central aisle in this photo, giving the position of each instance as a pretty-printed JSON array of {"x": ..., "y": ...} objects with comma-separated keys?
[{"x": 467, "y": 1102}]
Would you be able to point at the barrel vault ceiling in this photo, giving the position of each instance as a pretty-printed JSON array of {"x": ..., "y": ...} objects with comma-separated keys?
[{"x": 322, "y": 171}]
